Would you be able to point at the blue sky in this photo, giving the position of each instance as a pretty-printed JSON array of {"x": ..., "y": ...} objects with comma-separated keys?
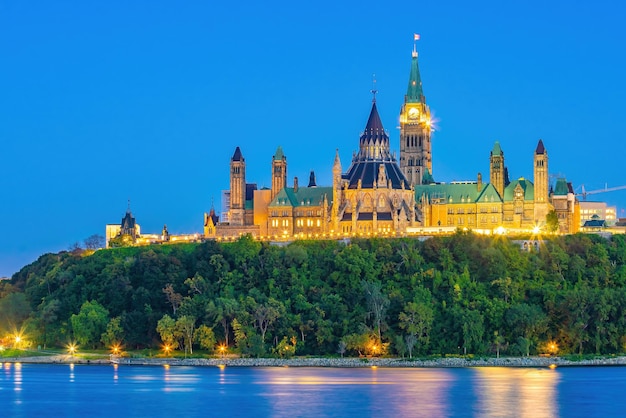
[{"x": 102, "y": 102}]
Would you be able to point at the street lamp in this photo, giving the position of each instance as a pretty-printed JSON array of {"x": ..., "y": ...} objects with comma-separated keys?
[
  {"x": 71, "y": 348},
  {"x": 222, "y": 349}
]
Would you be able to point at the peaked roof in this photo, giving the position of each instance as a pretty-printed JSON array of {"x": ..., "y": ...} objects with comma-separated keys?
[
  {"x": 466, "y": 192},
  {"x": 414, "y": 93},
  {"x": 279, "y": 155},
  {"x": 237, "y": 156},
  {"x": 527, "y": 187},
  {"x": 496, "y": 149},
  {"x": 303, "y": 196},
  {"x": 561, "y": 188},
  {"x": 374, "y": 130},
  {"x": 373, "y": 154},
  {"x": 540, "y": 148}
]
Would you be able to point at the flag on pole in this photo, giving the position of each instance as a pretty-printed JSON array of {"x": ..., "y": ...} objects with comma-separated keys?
[{"x": 416, "y": 37}]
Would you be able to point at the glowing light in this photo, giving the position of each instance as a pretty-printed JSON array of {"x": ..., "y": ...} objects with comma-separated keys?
[
  {"x": 116, "y": 349},
  {"x": 222, "y": 349},
  {"x": 536, "y": 230},
  {"x": 71, "y": 348},
  {"x": 500, "y": 230},
  {"x": 552, "y": 366},
  {"x": 167, "y": 348}
]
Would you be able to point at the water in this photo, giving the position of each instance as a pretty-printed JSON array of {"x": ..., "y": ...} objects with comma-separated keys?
[{"x": 28, "y": 390}]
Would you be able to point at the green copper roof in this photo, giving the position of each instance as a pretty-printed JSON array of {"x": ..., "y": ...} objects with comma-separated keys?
[
  {"x": 496, "y": 149},
  {"x": 561, "y": 188},
  {"x": 414, "y": 93},
  {"x": 279, "y": 155},
  {"x": 305, "y": 196},
  {"x": 526, "y": 186},
  {"x": 457, "y": 193},
  {"x": 427, "y": 178}
]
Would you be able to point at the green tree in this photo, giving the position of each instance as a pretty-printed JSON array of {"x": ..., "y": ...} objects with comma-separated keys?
[
  {"x": 90, "y": 323},
  {"x": 185, "y": 327},
  {"x": 205, "y": 338},
  {"x": 552, "y": 221},
  {"x": 166, "y": 327},
  {"x": 114, "y": 333}
]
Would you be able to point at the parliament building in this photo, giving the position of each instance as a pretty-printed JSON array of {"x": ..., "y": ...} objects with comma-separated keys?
[{"x": 380, "y": 195}]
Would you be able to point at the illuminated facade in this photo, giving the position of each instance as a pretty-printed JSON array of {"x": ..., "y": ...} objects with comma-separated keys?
[{"x": 379, "y": 195}]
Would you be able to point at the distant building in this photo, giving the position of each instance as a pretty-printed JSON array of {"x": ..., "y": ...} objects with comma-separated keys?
[
  {"x": 128, "y": 232},
  {"x": 600, "y": 209}
]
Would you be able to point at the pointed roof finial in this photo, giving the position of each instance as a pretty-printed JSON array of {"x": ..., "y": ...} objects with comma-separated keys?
[
  {"x": 128, "y": 208},
  {"x": 373, "y": 90},
  {"x": 416, "y": 37}
]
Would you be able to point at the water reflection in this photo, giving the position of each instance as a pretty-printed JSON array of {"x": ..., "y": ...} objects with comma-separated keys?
[
  {"x": 376, "y": 392},
  {"x": 504, "y": 392}
]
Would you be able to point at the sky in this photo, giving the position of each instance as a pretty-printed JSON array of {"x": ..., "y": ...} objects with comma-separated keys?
[{"x": 105, "y": 102}]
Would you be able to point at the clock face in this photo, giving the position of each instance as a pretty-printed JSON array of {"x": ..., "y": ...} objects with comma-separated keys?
[{"x": 413, "y": 113}]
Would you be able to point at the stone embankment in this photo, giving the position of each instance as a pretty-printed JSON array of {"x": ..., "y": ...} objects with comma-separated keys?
[
  {"x": 377, "y": 362},
  {"x": 328, "y": 362}
]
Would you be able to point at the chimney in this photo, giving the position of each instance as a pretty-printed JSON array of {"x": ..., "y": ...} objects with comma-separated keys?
[
  {"x": 295, "y": 184},
  {"x": 479, "y": 182}
]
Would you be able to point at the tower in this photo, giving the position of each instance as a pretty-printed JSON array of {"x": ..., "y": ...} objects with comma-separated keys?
[
  {"x": 540, "y": 173},
  {"x": 336, "y": 192},
  {"x": 415, "y": 128},
  {"x": 237, "y": 188},
  {"x": 496, "y": 169},
  {"x": 279, "y": 171}
]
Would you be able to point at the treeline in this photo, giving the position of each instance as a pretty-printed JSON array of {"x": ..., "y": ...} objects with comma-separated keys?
[{"x": 459, "y": 294}]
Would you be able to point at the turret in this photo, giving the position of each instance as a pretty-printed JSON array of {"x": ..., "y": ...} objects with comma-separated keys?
[
  {"x": 496, "y": 169},
  {"x": 279, "y": 171},
  {"x": 237, "y": 188}
]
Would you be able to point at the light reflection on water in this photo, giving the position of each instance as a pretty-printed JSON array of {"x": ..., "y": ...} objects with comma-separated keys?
[
  {"x": 525, "y": 393},
  {"x": 137, "y": 391}
]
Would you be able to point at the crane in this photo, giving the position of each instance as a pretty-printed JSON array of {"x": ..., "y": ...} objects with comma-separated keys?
[{"x": 584, "y": 192}]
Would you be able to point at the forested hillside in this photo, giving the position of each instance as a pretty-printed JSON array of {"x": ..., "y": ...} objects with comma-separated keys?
[{"x": 445, "y": 295}]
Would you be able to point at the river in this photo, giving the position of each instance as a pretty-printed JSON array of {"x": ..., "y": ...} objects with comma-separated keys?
[{"x": 62, "y": 390}]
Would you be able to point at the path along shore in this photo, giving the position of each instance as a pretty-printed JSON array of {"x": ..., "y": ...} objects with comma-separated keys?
[{"x": 326, "y": 362}]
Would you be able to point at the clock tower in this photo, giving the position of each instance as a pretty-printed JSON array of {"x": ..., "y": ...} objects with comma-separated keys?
[{"x": 415, "y": 129}]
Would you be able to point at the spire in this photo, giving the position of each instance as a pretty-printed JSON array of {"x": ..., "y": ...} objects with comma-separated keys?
[
  {"x": 540, "y": 148},
  {"x": 374, "y": 143},
  {"x": 337, "y": 163},
  {"x": 279, "y": 155},
  {"x": 496, "y": 149},
  {"x": 414, "y": 93},
  {"x": 237, "y": 155}
]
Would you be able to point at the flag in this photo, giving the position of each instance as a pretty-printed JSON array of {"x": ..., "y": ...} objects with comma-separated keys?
[{"x": 416, "y": 37}]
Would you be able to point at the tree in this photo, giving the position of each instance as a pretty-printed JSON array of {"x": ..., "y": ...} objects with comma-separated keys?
[
  {"x": 416, "y": 319},
  {"x": 166, "y": 327},
  {"x": 527, "y": 321},
  {"x": 265, "y": 315},
  {"x": 473, "y": 330},
  {"x": 377, "y": 304},
  {"x": 14, "y": 309},
  {"x": 90, "y": 322},
  {"x": 552, "y": 221},
  {"x": 205, "y": 338},
  {"x": 173, "y": 298},
  {"x": 94, "y": 242},
  {"x": 185, "y": 327},
  {"x": 114, "y": 332}
]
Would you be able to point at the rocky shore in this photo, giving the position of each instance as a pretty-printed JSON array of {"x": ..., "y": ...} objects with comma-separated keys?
[{"x": 328, "y": 362}]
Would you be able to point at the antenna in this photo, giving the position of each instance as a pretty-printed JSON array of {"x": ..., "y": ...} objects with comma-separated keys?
[{"x": 373, "y": 90}]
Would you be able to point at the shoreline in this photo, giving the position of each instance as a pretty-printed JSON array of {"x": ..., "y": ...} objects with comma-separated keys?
[{"x": 348, "y": 362}]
